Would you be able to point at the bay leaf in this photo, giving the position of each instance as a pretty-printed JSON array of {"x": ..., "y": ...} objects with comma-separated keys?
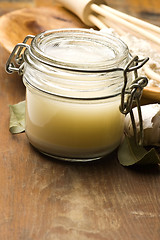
[
  {"x": 130, "y": 154},
  {"x": 17, "y": 117}
]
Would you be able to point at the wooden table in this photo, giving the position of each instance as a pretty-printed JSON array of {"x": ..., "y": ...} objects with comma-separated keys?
[{"x": 45, "y": 199}]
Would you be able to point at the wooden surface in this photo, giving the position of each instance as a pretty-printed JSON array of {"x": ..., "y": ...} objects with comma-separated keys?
[
  {"x": 45, "y": 199},
  {"x": 24, "y": 23}
]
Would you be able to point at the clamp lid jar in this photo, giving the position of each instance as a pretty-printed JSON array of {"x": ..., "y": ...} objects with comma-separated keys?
[{"x": 74, "y": 79}]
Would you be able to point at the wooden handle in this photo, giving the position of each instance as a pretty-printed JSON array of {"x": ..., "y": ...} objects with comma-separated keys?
[{"x": 82, "y": 8}]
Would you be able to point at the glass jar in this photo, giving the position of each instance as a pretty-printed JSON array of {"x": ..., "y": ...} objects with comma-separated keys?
[{"x": 72, "y": 100}]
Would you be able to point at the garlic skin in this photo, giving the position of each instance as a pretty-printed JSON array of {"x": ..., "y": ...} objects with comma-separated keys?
[{"x": 151, "y": 124}]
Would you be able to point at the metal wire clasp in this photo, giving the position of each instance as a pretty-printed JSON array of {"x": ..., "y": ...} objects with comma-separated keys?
[
  {"x": 132, "y": 95},
  {"x": 15, "y": 61}
]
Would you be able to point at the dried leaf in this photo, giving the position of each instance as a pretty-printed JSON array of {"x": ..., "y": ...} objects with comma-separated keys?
[
  {"x": 130, "y": 154},
  {"x": 17, "y": 117}
]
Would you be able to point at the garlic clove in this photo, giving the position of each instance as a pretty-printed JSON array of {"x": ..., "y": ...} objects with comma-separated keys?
[{"x": 151, "y": 124}]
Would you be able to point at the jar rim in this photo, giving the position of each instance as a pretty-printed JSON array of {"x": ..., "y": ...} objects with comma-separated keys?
[{"x": 46, "y": 38}]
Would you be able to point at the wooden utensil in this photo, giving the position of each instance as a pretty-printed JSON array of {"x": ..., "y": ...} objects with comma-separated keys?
[
  {"x": 16, "y": 25},
  {"x": 96, "y": 13}
]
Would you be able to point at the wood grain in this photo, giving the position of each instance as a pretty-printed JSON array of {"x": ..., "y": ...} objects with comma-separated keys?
[
  {"x": 45, "y": 199},
  {"x": 16, "y": 25}
]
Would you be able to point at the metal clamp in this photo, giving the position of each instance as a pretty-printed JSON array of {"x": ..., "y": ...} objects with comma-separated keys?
[
  {"x": 15, "y": 60},
  {"x": 132, "y": 95}
]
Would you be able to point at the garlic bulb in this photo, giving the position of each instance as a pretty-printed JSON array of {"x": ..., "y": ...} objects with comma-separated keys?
[{"x": 151, "y": 124}]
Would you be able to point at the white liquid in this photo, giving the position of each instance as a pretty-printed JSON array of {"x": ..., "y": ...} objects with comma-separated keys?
[{"x": 73, "y": 130}]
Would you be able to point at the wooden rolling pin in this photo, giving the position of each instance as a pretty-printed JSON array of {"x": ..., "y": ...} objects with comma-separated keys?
[
  {"x": 82, "y": 8},
  {"x": 96, "y": 13}
]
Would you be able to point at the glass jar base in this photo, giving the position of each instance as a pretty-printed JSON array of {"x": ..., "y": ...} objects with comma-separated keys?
[{"x": 71, "y": 159}]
